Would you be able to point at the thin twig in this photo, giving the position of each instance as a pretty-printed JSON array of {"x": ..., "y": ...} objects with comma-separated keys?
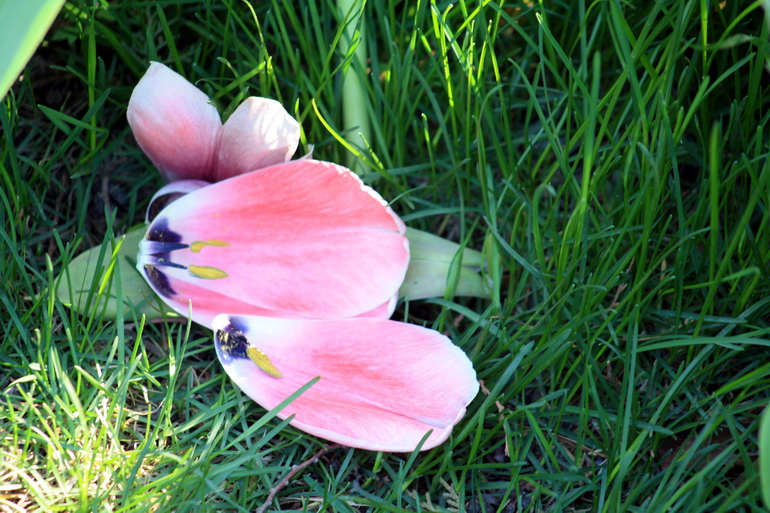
[{"x": 293, "y": 472}]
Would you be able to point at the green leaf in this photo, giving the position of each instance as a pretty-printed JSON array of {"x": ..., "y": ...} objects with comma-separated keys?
[
  {"x": 432, "y": 264},
  {"x": 89, "y": 281},
  {"x": 26, "y": 23}
]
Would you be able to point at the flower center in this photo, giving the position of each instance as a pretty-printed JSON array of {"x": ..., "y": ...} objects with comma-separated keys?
[
  {"x": 232, "y": 343},
  {"x": 155, "y": 251}
]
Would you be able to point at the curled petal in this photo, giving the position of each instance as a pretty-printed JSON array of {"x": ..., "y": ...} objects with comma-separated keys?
[
  {"x": 260, "y": 133},
  {"x": 383, "y": 384},
  {"x": 300, "y": 239},
  {"x": 174, "y": 124},
  {"x": 170, "y": 192},
  {"x": 309, "y": 154}
]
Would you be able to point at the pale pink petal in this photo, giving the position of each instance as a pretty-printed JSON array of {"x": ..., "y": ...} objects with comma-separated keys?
[
  {"x": 304, "y": 238},
  {"x": 170, "y": 192},
  {"x": 398, "y": 221},
  {"x": 260, "y": 133},
  {"x": 383, "y": 384},
  {"x": 174, "y": 124}
]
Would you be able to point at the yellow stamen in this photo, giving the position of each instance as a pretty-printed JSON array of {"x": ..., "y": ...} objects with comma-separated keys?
[
  {"x": 198, "y": 245},
  {"x": 205, "y": 272},
  {"x": 263, "y": 362}
]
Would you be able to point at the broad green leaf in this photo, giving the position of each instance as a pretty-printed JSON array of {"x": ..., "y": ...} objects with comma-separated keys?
[
  {"x": 431, "y": 266},
  {"x": 89, "y": 279},
  {"x": 25, "y": 25}
]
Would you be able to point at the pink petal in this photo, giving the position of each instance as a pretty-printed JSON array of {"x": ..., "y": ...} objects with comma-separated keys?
[
  {"x": 301, "y": 239},
  {"x": 174, "y": 124},
  {"x": 260, "y": 133},
  {"x": 383, "y": 386}
]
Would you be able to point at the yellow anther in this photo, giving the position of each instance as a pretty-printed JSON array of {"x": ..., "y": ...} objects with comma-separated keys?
[
  {"x": 205, "y": 272},
  {"x": 262, "y": 361},
  {"x": 198, "y": 245}
]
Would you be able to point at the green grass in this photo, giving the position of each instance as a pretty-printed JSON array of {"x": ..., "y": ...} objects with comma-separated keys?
[{"x": 611, "y": 159}]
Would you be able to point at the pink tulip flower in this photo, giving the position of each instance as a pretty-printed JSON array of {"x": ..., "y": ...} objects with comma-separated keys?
[
  {"x": 303, "y": 239},
  {"x": 180, "y": 130},
  {"x": 292, "y": 252},
  {"x": 383, "y": 384},
  {"x": 296, "y": 265}
]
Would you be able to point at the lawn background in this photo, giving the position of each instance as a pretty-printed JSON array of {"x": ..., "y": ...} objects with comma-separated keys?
[{"x": 610, "y": 158}]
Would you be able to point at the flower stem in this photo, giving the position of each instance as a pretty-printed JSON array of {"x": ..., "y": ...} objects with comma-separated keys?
[{"x": 355, "y": 108}]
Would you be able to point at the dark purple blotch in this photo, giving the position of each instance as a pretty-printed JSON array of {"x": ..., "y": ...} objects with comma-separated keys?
[
  {"x": 231, "y": 342},
  {"x": 160, "y": 232},
  {"x": 159, "y": 281}
]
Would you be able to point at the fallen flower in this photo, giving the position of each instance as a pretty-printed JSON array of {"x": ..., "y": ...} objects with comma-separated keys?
[
  {"x": 180, "y": 130},
  {"x": 301, "y": 239},
  {"x": 297, "y": 266},
  {"x": 383, "y": 384}
]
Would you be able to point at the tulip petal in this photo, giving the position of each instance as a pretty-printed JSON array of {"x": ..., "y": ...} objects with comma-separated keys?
[
  {"x": 170, "y": 192},
  {"x": 174, "y": 124},
  {"x": 260, "y": 133},
  {"x": 301, "y": 239},
  {"x": 383, "y": 384}
]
